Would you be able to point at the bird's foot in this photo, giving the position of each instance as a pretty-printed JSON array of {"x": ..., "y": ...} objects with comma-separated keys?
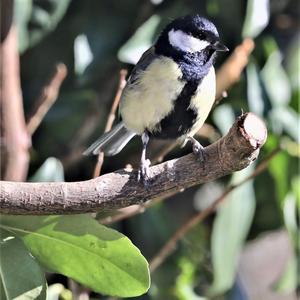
[
  {"x": 198, "y": 149},
  {"x": 144, "y": 172}
]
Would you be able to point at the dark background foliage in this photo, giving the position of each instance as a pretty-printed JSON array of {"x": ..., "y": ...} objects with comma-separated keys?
[{"x": 95, "y": 39}]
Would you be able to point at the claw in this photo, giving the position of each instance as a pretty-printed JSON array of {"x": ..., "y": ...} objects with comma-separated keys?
[
  {"x": 144, "y": 172},
  {"x": 198, "y": 149}
]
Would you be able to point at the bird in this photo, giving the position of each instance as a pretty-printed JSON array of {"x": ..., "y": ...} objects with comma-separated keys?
[{"x": 169, "y": 92}]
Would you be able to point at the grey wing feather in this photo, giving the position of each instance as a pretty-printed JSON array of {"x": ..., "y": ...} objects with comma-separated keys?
[
  {"x": 145, "y": 60},
  {"x": 141, "y": 65},
  {"x": 112, "y": 142}
]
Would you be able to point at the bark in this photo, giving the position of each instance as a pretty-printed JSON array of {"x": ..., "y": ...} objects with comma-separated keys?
[
  {"x": 233, "y": 152},
  {"x": 16, "y": 140}
]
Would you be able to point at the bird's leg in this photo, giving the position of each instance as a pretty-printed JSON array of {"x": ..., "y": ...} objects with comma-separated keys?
[
  {"x": 145, "y": 163},
  {"x": 197, "y": 148}
]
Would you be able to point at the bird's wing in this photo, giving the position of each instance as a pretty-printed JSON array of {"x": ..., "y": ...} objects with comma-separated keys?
[
  {"x": 141, "y": 65},
  {"x": 145, "y": 60}
]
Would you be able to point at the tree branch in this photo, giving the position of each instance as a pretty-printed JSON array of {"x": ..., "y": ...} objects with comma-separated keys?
[
  {"x": 47, "y": 98},
  {"x": 233, "y": 152},
  {"x": 15, "y": 136}
]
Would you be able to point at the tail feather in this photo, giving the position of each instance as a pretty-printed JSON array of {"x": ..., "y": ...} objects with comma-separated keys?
[{"x": 112, "y": 142}]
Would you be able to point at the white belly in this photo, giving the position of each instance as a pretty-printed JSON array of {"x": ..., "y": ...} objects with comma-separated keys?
[
  {"x": 151, "y": 98},
  {"x": 203, "y": 100}
]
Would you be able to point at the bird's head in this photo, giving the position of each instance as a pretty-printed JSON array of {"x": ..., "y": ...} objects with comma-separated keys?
[{"x": 189, "y": 35}]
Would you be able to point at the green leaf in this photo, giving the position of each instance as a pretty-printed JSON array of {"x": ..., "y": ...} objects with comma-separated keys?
[
  {"x": 141, "y": 40},
  {"x": 80, "y": 248},
  {"x": 35, "y": 19},
  {"x": 230, "y": 230},
  {"x": 285, "y": 119},
  {"x": 254, "y": 90},
  {"x": 58, "y": 291},
  {"x": 257, "y": 17},
  {"x": 22, "y": 12},
  {"x": 288, "y": 281},
  {"x": 290, "y": 216},
  {"x": 276, "y": 80},
  {"x": 296, "y": 191},
  {"x": 51, "y": 170},
  {"x": 184, "y": 282},
  {"x": 83, "y": 55},
  {"x": 292, "y": 58},
  {"x": 223, "y": 117},
  {"x": 21, "y": 275},
  {"x": 278, "y": 167}
]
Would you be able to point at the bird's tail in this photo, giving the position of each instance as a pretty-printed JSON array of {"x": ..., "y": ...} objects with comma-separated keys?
[{"x": 112, "y": 142}]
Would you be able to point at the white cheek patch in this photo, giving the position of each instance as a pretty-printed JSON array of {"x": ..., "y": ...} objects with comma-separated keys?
[{"x": 185, "y": 42}]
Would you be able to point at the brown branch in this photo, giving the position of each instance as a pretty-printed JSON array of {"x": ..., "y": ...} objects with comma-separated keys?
[
  {"x": 207, "y": 131},
  {"x": 47, "y": 98},
  {"x": 15, "y": 137},
  {"x": 119, "y": 189},
  {"x": 170, "y": 246},
  {"x": 111, "y": 119}
]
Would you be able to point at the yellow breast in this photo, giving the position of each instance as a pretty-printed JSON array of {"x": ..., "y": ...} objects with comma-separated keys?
[{"x": 151, "y": 98}]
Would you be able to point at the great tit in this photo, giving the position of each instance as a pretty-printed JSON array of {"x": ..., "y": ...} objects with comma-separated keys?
[{"x": 170, "y": 91}]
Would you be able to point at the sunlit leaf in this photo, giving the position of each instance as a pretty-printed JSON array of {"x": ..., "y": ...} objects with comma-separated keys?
[
  {"x": 254, "y": 90},
  {"x": 35, "y": 19},
  {"x": 276, "y": 81},
  {"x": 285, "y": 119},
  {"x": 83, "y": 55},
  {"x": 278, "y": 167},
  {"x": 58, "y": 291},
  {"x": 257, "y": 17},
  {"x": 296, "y": 189},
  {"x": 22, "y": 13},
  {"x": 230, "y": 230},
  {"x": 290, "y": 216},
  {"x": 288, "y": 280},
  {"x": 293, "y": 64},
  {"x": 184, "y": 282},
  {"x": 21, "y": 275},
  {"x": 141, "y": 40},
  {"x": 224, "y": 117},
  {"x": 156, "y": 2},
  {"x": 51, "y": 170},
  {"x": 82, "y": 249}
]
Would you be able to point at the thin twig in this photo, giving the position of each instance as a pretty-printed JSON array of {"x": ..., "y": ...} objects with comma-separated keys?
[
  {"x": 16, "y": 140},
  {"x": 47, "y": 98},
  {"x": 111, "y": 118},
  {"x": 170, "y": 246}
]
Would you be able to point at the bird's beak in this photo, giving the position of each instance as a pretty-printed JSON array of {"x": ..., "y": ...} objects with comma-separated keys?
[{"x": 220, "y": 47}]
